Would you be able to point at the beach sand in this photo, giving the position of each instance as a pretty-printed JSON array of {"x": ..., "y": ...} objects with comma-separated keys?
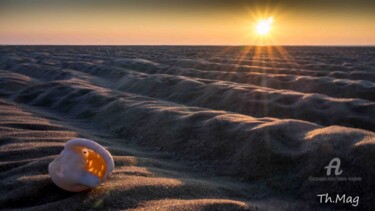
[{"x": 190, "y": 127}]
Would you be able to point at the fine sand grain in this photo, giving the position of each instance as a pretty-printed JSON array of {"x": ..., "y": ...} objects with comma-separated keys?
[{"x": 189, "y": 127}]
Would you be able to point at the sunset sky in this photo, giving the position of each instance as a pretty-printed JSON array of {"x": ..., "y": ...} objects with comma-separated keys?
[{"x": 194, "y": 22}]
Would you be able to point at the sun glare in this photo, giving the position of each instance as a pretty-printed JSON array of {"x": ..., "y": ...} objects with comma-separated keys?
[{"x": 264, "y": 26}]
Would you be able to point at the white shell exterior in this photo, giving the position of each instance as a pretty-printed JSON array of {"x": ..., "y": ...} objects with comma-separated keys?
[{"x": 68, "y": 171}]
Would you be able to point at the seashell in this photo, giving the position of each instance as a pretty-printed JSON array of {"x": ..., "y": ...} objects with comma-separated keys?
[{"x": 82, "y": 165}]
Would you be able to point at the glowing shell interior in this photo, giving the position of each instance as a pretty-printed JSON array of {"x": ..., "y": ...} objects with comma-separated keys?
[{"x": 82, "y": 165}]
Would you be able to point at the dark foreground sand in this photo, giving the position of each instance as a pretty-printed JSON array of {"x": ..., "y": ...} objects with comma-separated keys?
[{"x": 190, "y": 127}]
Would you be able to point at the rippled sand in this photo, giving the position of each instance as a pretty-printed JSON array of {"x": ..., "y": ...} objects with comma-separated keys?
[{"x": 189, "y": 127}]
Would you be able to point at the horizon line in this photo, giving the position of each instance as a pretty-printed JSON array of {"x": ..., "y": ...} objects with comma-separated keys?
[{"x": 203, "y": 45}]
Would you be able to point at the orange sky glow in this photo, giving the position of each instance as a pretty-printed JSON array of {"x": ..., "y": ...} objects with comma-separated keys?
[{"x": 118, "y": 23}]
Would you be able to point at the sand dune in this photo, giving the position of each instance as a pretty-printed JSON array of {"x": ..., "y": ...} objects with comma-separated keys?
[{"x": 189, "y": 127}]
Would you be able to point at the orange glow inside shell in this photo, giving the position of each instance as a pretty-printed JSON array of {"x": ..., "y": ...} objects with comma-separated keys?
[{"x": 95, "y": 164}]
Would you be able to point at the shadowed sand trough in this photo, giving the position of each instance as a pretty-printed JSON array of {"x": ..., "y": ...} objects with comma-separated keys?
[{"x": 189, "y": 127}]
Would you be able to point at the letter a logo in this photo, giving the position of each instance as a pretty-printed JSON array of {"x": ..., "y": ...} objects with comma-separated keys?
[{"x": 334, "y": 164}]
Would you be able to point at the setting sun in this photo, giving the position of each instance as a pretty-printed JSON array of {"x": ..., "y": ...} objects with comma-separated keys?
[{"x": 264, "y": 26}]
